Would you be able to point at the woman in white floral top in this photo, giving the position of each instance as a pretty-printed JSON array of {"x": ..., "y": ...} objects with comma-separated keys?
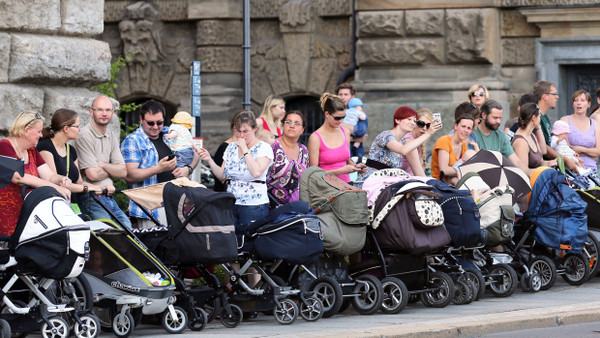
[{"x": 245, "y": 166}]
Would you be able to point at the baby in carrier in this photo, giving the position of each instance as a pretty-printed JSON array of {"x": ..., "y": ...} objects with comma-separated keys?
[
  {"x": 560, "y": 143},
  {"x": 180, "y": 138},
  {"x": 359, "y": 121}
]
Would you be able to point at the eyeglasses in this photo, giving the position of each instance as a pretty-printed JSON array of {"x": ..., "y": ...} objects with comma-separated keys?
[
  {"x": 555, "y": 94},
  {"x": 478, "y": 94},
  {"x": 422, "y": 124},
  {"x": 295, "y": 124},
  {"x": 152, "y": 123},
  {"x": 74, "y": 126},
  {"x": 100, "y": 110},
  {"x": 338, "y": 118}
]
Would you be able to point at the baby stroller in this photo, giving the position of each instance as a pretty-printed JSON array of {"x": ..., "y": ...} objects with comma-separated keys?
[
  {"x": 46, "y": 253},
  {"x": 125, "y": 277},
  {"x": 592, "y": 198},
  {"x": 401, "y": 245},
  {"x": 290, "y": 234},
  {"x": 200, "y": 232},
  {"x": 342, "y": 211},
  {"x": 553, "y": 231}
]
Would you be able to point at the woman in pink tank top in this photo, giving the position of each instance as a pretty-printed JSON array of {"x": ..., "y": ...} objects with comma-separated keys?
[{"x": 328, "y": 146}]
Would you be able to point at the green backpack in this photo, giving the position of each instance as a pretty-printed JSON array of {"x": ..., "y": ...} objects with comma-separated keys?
[{"x": 327, "y": 192}]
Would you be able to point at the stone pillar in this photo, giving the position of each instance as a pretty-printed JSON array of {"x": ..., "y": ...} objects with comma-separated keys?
[
  {"x": 48, "y": 58},
  {"x": 219, "y": 38}
]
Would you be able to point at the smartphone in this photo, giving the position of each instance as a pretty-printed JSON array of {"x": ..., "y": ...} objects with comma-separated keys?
[
  {"x": 437, "y": 117},
  {"x": 170, "y": 157}
]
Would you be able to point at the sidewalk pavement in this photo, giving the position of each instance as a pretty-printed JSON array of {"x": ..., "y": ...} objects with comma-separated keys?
[{"x": 562, "y": 304}]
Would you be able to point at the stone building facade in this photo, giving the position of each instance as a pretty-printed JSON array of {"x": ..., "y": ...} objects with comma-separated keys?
[
  {"x": 48, "y": 57},
  {"x": 416, "y": 53}
]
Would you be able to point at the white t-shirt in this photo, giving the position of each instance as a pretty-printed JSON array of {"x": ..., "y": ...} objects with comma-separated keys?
[
  {"x": 352, "y": 115},
  {"x": 562, "y": 148},
  {"x": 241, "y": 185}
]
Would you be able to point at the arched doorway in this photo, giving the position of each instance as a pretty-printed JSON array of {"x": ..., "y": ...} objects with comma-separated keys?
[{"x": 309, "y": 106}]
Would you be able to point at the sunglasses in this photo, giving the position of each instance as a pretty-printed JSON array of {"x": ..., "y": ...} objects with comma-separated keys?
[
  {"x": 338, "y": 118},
  {"x": 152, "y": 123},
  {"x": 36, "y": 117},
  {"x": 422, "y": 124},
  {"x": 478, "y": 94}
]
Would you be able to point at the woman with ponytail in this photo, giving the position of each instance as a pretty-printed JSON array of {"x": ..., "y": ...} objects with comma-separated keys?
[
  {"x": 328, "y": 146},
  {"x": 59, "y": 155}
]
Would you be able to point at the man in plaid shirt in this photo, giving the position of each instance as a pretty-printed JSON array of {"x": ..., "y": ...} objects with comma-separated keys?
[{"x": 146, "y": 154}]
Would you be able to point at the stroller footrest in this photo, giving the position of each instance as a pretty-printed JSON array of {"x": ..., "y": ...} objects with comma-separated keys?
[{"x": 59, "y": 308}]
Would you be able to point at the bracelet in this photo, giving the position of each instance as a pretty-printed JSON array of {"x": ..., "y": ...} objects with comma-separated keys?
[
  {"x": 246, "y": 153},
  {"x": 190, "y": 169}
]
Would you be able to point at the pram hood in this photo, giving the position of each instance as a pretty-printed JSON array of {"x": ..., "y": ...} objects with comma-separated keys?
[{"x": 49, "y": 235}]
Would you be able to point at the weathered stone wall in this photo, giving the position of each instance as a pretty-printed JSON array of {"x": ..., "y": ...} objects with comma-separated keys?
[{"x": 48, "y": 58}]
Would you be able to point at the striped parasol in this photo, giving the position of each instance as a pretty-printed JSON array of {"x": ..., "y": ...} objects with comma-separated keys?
[{"x": 497, "y": 170}]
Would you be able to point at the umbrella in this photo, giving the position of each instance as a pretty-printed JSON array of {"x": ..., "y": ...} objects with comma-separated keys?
[
  {"x": 8, "y": 166},
  {"x": 497, "y": 170}
]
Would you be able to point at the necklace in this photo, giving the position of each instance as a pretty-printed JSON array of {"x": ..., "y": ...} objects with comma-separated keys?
[{"x": 19, "y": 152}]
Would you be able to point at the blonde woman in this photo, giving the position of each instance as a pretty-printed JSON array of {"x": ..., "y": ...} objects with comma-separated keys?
[
  {"x": 270, "y": 118},
  {"x": 478, "y": 94},
  {"x": 25, "y": 133}
]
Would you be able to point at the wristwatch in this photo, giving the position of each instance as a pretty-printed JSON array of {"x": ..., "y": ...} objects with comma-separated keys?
[
  {"x": 190, "y": 169},
  {"x": 85, "y": 188}
]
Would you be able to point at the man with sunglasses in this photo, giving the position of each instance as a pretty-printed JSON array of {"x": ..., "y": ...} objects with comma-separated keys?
[
  {"x": 149, "y": 159},
  {"x": 100, "y": 160}
]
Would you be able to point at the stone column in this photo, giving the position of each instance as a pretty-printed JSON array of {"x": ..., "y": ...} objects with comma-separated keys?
[
  {"x": 219, "y": 37},
  {"x": 48, "y": 58}
]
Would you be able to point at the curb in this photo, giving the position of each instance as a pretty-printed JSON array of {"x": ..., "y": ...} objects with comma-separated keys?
[{"x": 488, "y": 323}]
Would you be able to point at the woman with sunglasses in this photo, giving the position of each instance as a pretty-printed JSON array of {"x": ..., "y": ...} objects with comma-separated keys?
[
  {"x": 62, "y": 157},
  {"x": 25, "y": 133},
  {"x": 389, "y": 146},
  {"x": 290, "y": 160},
  {"x": 328, "y": 146},
  {"x": 424, "y": 121},
  {"x": 478, "y": 94}
]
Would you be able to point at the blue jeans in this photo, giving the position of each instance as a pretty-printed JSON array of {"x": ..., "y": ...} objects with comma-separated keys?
[
  {"x": 244, "y": 215},
  {"x": 93, "y": 209}
]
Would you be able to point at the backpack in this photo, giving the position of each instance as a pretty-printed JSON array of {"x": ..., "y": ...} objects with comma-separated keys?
[
  {"x": 558, "y": 212},
  {"x": 461, "y": 214},
  {"x": 327, "y": 192}
]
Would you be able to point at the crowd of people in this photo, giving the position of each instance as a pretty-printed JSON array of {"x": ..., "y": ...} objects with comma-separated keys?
[{"x": 261, "y": 163}]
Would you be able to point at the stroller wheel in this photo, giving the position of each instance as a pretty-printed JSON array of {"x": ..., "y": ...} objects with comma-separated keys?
[
  {"x": 503, "y": 280},
  {"x": 174, "y": 322},
  {"x": 198, "y": 321},
  {"x": 441, "y": 290},
  {"x": 395, "y": 295},
  {"x": 591, "y": 248},
  {"x": 286, "y": 311},
  {"x": 475, "y": 276},
  {"x": 546, "y": 268},
  {"x": 231, "y": 315},
  {"x": 311, "y": 309},
  {"x": 329, "y": 292},
  {"x": 576, "y": 269},
  {"x": 58, "y": 328},
  {"x": 369, "y": 295},
  {"x": 463, "y": 294},
  {"x": 122, "y": 328},
  {"x": 89, "y": 327},
  {"x": 4, "y": 329}
]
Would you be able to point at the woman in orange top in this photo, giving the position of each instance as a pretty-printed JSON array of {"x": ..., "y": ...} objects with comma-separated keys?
[{"x": 450, "y": 151}]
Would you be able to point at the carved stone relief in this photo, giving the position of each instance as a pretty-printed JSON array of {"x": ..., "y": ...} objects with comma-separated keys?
[
  {"x": 400, "y": 52},
  {"x": 159, "y": 52},
  {"x": 269, "y": 9},
  {"x": 384, "y": 23},
  {"x": 472, "y": 35},
  {"x": 426, "y": 22},
  {"x": 169, "y": 10}
]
